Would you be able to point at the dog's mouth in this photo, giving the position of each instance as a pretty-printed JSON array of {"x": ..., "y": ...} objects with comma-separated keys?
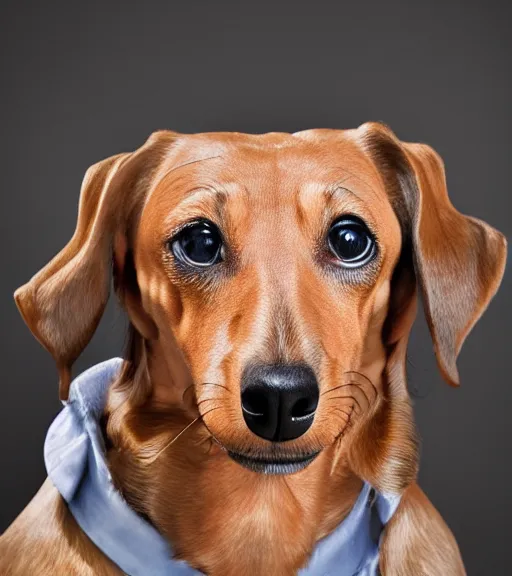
[{"x": 275, "y": 465}]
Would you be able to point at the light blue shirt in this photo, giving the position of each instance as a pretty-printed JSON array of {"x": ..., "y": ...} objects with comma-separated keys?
[{"x": 74, "y": 454}]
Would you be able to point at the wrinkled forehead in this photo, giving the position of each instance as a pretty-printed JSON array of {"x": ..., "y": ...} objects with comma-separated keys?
[{"x": 268, "y": 170}]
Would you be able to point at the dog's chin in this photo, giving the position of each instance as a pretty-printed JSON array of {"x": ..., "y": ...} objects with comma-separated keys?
[{"x": 275, "y": 466}]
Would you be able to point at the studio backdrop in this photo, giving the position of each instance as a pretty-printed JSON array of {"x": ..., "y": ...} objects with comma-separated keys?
[{"x": 82, "y": 81}]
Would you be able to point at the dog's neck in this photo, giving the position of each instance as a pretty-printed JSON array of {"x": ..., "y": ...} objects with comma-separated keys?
[{"x": 218, "y": 516}]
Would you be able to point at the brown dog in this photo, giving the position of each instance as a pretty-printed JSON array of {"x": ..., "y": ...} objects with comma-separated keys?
[{"x": 239, "y": 254}]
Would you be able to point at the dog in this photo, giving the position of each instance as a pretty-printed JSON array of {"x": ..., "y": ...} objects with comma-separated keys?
[{"x": 271, "y": 283}]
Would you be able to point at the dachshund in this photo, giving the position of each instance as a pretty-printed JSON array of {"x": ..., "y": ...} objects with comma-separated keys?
[{"x": 270, "y": 282}]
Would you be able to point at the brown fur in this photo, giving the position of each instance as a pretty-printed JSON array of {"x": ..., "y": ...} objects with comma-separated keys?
[{"x": 277, "y": 297}]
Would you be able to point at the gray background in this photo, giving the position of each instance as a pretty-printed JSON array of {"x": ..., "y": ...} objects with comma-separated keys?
[{"x": 82, "y": 81}]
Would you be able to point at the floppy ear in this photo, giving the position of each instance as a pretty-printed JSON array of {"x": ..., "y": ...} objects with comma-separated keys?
[
  {"x": 459, "y": 261},
  {"x": 63, "y": 303}
]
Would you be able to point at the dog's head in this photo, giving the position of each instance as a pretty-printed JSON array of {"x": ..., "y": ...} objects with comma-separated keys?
[{"x": 274, "y": 275}]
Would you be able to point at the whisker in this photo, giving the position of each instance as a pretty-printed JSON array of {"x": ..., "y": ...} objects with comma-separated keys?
[
  {"x": 349, "y": 397},
  {"x": 189, "y": 387},
  {"x": 215, "y": 384},
  {"x": 373, "y": 387},
  {"x": 360, "y": 374},
  {"x": 150, "y": 460},
  {"x": 208, "y": 411},
  {"x": 347, "y": 414},
  {"x": 338, "y": 387},
  {"x": 338, "y": 397},
  {"x": 205, "y": 400}
]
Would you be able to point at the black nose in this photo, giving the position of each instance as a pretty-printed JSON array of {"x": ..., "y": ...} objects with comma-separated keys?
[{"x": 279, "y": 401}]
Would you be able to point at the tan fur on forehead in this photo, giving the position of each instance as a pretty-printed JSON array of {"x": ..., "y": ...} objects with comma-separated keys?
[{"x": 261, "y": 174}]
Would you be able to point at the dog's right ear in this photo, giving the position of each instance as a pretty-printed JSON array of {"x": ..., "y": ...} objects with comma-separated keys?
[{"x": 63, "y": 304}]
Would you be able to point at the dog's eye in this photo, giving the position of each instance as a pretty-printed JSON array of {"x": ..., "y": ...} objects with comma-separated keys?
[
  {"x": 351, "y": 242},
  {"x": 199, "y": 244}
]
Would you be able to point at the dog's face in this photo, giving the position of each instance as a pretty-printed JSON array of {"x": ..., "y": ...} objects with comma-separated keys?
[
  {"x": 268, "y": 261},
  {"x": 273, "y": 275}
]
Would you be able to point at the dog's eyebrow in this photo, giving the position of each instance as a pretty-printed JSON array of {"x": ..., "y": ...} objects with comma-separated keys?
[
  {"x": 340, "y": 185},
  {"x": 333, "y": 191},
  {"x": 218, "y": 194},
  {"x": 173, "y": 169}
]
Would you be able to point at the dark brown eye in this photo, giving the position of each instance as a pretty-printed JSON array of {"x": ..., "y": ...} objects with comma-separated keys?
[
  {"x": 199, "y": 244},
  {"x": 351, "y": 242}
]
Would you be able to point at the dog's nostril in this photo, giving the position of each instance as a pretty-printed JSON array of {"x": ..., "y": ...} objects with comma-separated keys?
[
  {"x": 254, "y": 402},
  {"x": 304, "y": 407}
]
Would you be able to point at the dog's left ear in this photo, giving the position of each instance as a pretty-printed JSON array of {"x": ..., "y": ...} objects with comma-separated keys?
[
  {"x": 459, "y": 261},
  {"x": 63, "y": 303}
]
